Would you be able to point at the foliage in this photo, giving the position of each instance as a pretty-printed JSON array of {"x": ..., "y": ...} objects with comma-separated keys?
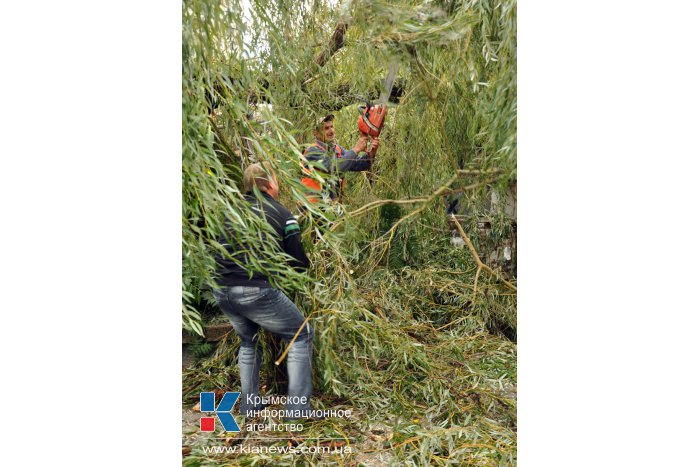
[{"x": 400, "y": 334}]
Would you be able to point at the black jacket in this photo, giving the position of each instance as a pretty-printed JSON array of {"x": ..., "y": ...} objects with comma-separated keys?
[{"x": 287, "y": 233}]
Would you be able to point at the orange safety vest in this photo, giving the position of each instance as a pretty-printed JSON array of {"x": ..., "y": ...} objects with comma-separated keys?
[{"x": 312, "y": 183}]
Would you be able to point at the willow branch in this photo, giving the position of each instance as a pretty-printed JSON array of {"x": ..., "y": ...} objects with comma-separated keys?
[
  {"x": 439, "y": 192},
  {"x": 476, "y": 281},
  {"x": 334, "y": 44},
  {"x": 442, "y": 191},
  {"x": 480, "y": 265},
  {"x": 382, "y": 202},
  {"x": 222, "y": 139},
  {"x": 284, "y": 354}
]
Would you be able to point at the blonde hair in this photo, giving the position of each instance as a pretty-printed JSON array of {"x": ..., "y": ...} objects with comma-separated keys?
[{"x": 257, "y": 174}]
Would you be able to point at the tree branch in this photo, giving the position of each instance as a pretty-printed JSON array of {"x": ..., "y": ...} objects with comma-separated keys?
[
  {"x": 443, "y": 190},
  {"x": 480, "y": 265},
  {"x": 334, "y": 44}
]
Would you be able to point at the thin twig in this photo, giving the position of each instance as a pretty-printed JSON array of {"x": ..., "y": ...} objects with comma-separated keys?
[
  {"x": 452, "y": 322},
  {"x": 284, "y": 354},
  {"x": 476, "y": 281},
  {"x": 381, "y": 202}
]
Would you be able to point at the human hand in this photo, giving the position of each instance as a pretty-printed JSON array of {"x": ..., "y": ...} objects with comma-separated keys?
[
  {"x": 374, "y": 146},
  {"x": 361, "y": 144}
]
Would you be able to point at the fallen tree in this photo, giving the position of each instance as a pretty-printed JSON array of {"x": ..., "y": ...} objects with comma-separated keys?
[{"x": 409, "y": 327}]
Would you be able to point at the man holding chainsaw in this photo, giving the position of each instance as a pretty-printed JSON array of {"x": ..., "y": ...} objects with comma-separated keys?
[{"x": 331, "y": 159}]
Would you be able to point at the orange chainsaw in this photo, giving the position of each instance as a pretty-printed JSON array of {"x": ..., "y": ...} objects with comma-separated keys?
[{"x": 371, "y": 120}]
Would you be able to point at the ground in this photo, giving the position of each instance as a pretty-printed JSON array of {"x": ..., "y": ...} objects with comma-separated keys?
[{"x": 466, "y": 416}]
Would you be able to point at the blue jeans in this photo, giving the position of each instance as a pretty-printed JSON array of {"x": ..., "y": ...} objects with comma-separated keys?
[{"x": 250, "y": 308}]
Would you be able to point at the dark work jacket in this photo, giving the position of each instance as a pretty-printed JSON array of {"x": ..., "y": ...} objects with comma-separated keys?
[
  {"x": 287, "y": 233},
  {"x": 334, "y": 161}
]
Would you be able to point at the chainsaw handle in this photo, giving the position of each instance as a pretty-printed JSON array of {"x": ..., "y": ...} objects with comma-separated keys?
[{"x": 371, "y": 152}]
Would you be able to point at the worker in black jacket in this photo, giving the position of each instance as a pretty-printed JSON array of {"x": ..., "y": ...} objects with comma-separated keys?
[{"x": 253, "y": 302}]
